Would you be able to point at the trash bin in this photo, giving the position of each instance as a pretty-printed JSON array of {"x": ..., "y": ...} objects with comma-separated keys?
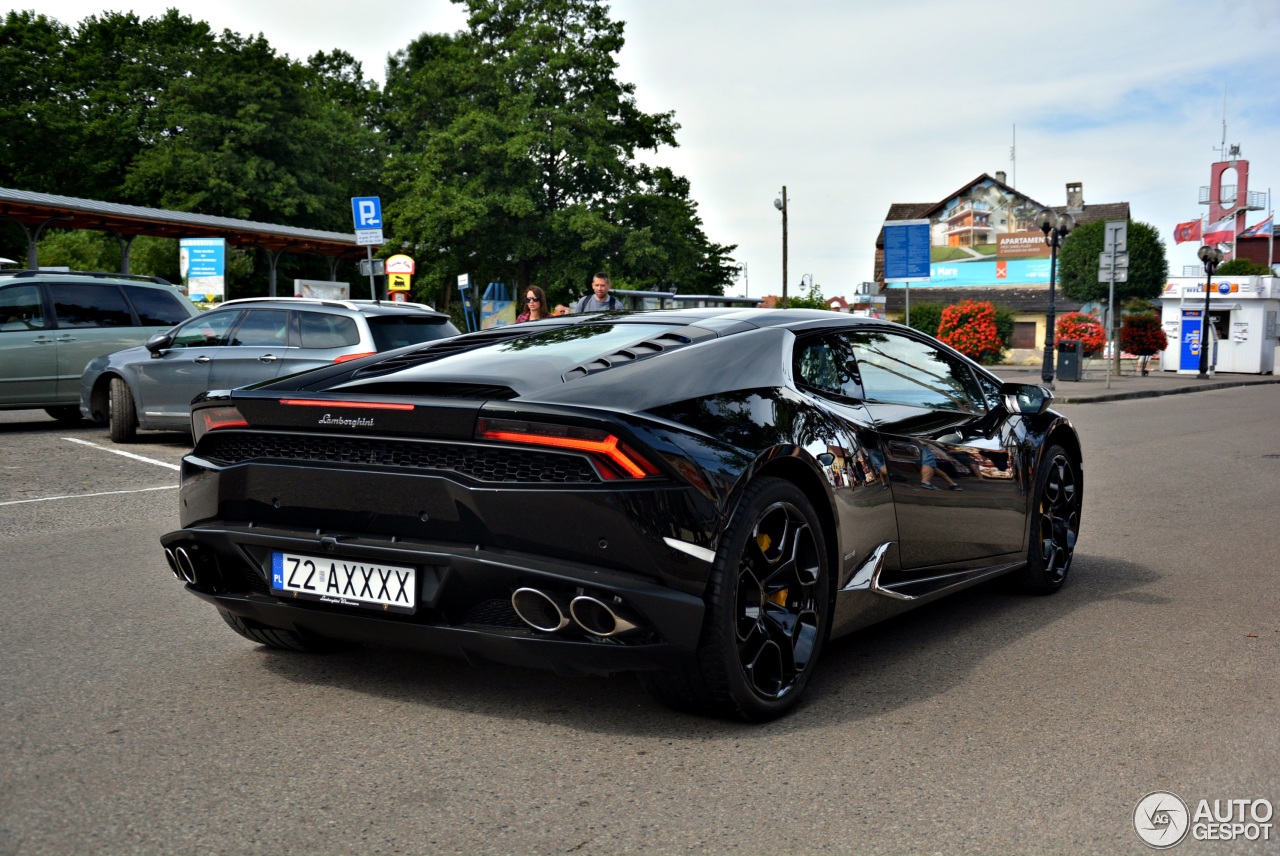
[{"x": 1069, "y": 360}]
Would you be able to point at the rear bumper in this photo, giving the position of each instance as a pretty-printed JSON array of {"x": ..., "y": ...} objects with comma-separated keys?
[{"x": 463, "y": 600}]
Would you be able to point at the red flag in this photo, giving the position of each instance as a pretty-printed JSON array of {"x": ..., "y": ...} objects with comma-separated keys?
[
  {"x": 1188, "y": 231},
  {"x": 1222, "y": 232}
]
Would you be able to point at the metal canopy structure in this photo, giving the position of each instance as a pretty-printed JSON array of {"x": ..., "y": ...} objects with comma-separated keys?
[{"x": 35, "y": 212}]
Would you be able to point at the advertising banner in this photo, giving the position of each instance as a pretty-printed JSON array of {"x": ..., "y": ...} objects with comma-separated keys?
[
  {"x": 985, "y": 235},
  {"x": 203, "y": 264}
]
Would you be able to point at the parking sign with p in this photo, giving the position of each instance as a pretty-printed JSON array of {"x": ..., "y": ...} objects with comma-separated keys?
[{"x": 367, "y": 213}]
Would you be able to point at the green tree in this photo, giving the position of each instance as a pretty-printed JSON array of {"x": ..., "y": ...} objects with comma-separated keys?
[
  {"x": 1242, "y": 267},
  {"x": 1078, "y": 263},
  {"x": 513, "y": 156}
]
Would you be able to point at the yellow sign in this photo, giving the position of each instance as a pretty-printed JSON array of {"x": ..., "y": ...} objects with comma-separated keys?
[
  {"x": 398, "y": 281},
  {"x": 400, "y": 264}
]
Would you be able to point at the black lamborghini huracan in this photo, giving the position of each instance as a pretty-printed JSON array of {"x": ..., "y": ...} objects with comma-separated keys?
[{"x": 702, "y": 496}]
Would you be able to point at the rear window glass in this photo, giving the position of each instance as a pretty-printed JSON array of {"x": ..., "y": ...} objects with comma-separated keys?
[
  {"x": 156, "y": 307},
  {"x": 324, "y": 330},
  {"x": 263, "y": 328},
  {"x": 397, "y": 331},
  {"x": 89, "y": 305},
  {"x": 21, "y": 309}
]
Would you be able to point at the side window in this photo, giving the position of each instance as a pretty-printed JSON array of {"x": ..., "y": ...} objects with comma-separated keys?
[
  {"x": 990, "y": 391},
  {"x": 21, "y": 309},
  {"x": 325, "y": 330},
  {"x": 205, "y": 331},
  {"x": 828, "y": 365},
  {"x": 263, "y": 327},
  {"x": 156, "y": 307},
  {"x": 77, "y": 304},
  {"x": 897, "y": 369}
]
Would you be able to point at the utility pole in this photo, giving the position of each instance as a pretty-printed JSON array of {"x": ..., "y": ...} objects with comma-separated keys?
[{"x": 781, "y": 205}]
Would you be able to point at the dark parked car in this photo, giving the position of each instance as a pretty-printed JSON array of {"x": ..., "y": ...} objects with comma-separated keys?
[
  {"x": 703, "y": 496},
  {"x": 243, "y": 342},
  {"x": 52, "y": 323}
]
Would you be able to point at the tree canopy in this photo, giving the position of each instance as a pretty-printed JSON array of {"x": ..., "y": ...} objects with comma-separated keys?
[
  {"x": 508, "y": 150},
  {"x": 1078, "y": 264},
  {"x": 513, "y": 157}
]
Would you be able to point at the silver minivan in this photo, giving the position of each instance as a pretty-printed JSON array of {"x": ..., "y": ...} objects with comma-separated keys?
[{"x": 52, "y": 324}]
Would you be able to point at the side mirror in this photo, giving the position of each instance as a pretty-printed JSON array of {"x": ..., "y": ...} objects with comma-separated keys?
[
  {"x": 826, "y": 459},
  {"x": 158, "y": 343},
  {"x": 1026, "y": 398}
]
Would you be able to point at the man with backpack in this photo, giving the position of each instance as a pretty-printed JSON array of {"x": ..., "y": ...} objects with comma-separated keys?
[{"x": 599, "y": 300}]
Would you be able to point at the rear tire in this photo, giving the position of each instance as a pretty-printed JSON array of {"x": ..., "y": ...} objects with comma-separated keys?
[
  {"x": 768, "y": 606},
  {"x": 1055, "y": 523},
  {"x": 67, "y": 414},
  {"x": 285, "y": 640},
  {"x": 122, "y": 417}
]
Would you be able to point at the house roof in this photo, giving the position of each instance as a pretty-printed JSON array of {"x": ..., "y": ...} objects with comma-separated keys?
[{"x": 1014, "y": 298}]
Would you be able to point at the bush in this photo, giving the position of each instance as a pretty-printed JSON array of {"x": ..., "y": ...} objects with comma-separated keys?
[
  {"x": 1085, "y": 329},
  {"x": 970, "y": 327},
  {"x": 926, "y": 317},
  {"x": 1004, "y": 327},
  {"x": 1142, "y": 334},
  {"x": 1242, "y": 267}
]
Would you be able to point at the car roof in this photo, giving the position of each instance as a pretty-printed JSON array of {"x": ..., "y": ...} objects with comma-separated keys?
[
  {"x": 367, "y": 307},
  {"x": 104, "y": 276}
]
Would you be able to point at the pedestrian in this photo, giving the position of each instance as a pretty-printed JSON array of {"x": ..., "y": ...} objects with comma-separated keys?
[
  {"x": 535, "y": 305},
  {"x": 599, "y": 300}
]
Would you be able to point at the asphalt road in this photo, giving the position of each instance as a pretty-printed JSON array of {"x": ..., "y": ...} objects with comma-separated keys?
[{"x": 133, "y": 721}]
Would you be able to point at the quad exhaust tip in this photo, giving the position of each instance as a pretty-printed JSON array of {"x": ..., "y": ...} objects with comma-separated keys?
[
  {"x": 540, "y": 610},
  {"x": 601, "y": 618},
  {"x": 186, "y": 567},
  {"x": 552, "y": 612}
]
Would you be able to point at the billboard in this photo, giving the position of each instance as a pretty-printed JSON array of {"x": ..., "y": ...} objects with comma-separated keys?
[
  {"x": 203, "y": 265},
  {"x": 986, "y": 235}
]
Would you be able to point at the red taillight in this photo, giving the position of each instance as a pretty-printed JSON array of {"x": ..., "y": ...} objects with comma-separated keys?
[
  {"x": 617, "y": 460},
  {"x": 353, "y": 405},
  {"x": 345, "y": 357},
  {"x": 212, "y": 418}
]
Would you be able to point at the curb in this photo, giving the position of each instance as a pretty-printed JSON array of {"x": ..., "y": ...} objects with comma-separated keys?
[{"x": 1154, "y": 393}]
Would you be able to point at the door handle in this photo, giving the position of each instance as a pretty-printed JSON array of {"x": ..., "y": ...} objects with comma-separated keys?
[
  {"x": 906, "y": 450},
  {"x": 203, "y": 359},
  {"x": 43, "y": 341},
  {"x": 66, "y": 338},
  {"x": 268, "y": 358}
]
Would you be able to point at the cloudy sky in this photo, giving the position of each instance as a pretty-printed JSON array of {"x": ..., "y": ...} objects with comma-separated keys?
[{"x": 857, "y": 105}]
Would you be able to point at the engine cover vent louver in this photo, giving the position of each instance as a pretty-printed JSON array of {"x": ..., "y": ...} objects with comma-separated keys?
[{"x": 629, "y": 354}]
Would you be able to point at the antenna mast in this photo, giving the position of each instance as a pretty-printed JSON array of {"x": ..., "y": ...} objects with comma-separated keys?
[{"x": 1013, "y": 155}]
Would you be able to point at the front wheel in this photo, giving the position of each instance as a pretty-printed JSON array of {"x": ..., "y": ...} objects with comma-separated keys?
[
  {"x": 1055, "y": 523},
  {"x": 768, "y": 607},
  {"x": 123, "y": 417}
]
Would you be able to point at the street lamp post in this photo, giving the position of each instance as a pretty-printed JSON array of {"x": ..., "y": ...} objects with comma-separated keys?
[
  {"x": 1056, "y": 227},
  {"x": 781, "y": 204},
  {"x": 1212, "y": 257}
]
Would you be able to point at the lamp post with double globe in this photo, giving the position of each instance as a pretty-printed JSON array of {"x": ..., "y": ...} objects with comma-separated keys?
[
  {"x": 1211, "y": 257},
  {"x": 1056, "y": 227}
]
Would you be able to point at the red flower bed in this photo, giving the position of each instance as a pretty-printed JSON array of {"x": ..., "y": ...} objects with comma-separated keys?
[
  {"x": 1085, "y": 329},
  {"x": 1142, "y": 334},
  {"x": 970, "y": 327}
]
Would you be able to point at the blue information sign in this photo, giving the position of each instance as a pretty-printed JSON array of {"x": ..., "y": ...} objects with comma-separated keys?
[
  {"x": 367, "y": 212},
  {"x": 906, "y": 251}
]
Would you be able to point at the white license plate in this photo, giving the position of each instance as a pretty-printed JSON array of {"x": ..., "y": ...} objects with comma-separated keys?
[{"x": 344, "y": 582}]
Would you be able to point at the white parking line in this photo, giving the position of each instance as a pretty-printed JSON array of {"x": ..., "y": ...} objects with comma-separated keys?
[
  {"x": 83, "y": 495},
  {"x": 126, "y": 454}
]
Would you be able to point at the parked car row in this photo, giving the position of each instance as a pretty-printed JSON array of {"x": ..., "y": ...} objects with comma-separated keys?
[{"x": 134, "y": 351}]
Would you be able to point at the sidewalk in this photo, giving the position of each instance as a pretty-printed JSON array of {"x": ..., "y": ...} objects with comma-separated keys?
[{"x": 1093, "y": 386}]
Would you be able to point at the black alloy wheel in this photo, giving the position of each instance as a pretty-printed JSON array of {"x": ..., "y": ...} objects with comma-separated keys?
[
  {"x": 768, "y": 605},
  {"x": 1055, "y": 523}
]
